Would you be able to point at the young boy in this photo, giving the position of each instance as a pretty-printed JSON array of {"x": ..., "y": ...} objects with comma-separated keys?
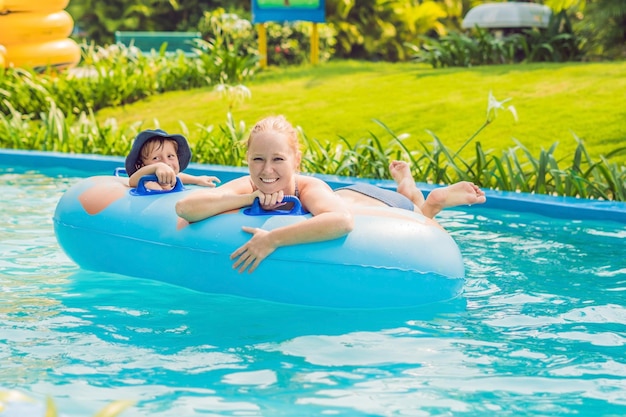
[{"x": 156, "y": 152}]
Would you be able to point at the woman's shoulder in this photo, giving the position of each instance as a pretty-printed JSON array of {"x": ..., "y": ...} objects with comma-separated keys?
[
  {"x": 317, "y": 196},
  {"x": 307, "y": 184},
  {"x": 310, "y": 180}
]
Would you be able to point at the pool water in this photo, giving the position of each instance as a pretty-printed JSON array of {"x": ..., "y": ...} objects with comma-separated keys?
[{"x": 539, "y": 331}]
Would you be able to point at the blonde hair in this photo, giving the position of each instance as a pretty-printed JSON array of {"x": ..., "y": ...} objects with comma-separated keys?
[{"x": 277, "y": 124}]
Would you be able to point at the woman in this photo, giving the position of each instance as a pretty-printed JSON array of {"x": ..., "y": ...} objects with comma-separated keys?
[{"x": 273, "y": 160}]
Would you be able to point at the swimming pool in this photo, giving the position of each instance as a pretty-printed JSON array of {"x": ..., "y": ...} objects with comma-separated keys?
[{"x": 540, "y": 329}]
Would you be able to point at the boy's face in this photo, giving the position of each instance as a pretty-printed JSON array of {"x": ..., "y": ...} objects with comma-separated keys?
[{"x": 156, "y": 151}]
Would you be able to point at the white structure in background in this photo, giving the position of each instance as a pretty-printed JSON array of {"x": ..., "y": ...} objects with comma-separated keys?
[{"x": 508, "y": 16}]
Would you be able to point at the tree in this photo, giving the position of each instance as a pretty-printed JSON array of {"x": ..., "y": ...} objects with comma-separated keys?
[
  {"x": 379, "y": 29},
  {"x": 600, "y": 23}
]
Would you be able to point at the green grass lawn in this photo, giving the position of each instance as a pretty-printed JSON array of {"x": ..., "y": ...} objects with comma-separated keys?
[{"x": 553, "y": 102}]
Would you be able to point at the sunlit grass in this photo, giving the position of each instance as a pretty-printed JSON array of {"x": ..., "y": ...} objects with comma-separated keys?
[{"x": 342, "y": 99}]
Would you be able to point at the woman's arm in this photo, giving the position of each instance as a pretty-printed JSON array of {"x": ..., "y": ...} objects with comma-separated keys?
[
  {"x": 331, "y": 216},
  {"x": 203, "y": 204},
  {"x": 331, "y": 219}
]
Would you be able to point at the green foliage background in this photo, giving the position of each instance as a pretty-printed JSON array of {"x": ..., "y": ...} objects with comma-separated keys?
[
  {"x": 366, "y": 29},
  {"x": 337, "y": 96},
  {"x": 415, "y": 112}
]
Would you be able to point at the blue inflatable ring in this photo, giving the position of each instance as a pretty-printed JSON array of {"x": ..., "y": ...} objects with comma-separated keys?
[{"x": 392, "y": 258}]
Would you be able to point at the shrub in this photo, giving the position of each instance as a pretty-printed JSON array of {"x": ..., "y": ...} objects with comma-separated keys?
[
  {"x": 109, "y": 76},
  {"x": 516, "y": 169},
  {"x": 116, "y": 75},
  {"x": 556, "y": 43},
  {"x": 227, "y": 48},
  {"x": 288, "y": 43}
]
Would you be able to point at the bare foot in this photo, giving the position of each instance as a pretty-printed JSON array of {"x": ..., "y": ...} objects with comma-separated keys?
[
  {"x": 401, "y": 173},
  {"x": 458, "y": 194}
]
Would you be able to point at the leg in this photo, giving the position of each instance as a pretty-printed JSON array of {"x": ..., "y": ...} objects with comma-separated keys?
[
  {"x": 461, "y": 193},
  {"x": 457, "y": 194},
  {"x": 401, "y": 173}
]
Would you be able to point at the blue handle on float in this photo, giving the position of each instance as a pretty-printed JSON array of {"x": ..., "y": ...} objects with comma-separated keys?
[
  {"x": 142, "y": 190},
  {"x": 296, "y": 210},
  {"x": 120, "y": 172}
]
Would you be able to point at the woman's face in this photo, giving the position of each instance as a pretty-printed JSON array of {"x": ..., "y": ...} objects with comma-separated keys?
[{"x": 272, "y": 162}]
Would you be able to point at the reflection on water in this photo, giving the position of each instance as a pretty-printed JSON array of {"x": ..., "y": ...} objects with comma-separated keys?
[{"x": 540, "y": 330}]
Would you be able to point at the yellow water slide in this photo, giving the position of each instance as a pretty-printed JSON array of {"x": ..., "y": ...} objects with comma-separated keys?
[{"x": 35, "y": 33}]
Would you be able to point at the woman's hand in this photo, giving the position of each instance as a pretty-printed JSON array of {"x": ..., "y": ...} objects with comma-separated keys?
[
  {"x": 250, "y": 255},
  {"x": 270, "y": 201}
]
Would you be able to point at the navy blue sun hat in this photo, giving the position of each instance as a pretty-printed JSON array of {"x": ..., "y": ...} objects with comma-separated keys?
[{"x": 134, "y": 156}]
